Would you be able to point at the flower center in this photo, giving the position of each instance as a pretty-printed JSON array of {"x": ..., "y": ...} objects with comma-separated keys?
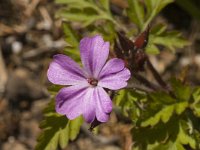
[{"x": 92, "y": 81}]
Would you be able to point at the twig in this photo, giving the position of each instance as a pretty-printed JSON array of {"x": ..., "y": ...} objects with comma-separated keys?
[
  {"x": 5, "y": 30},
  {"x": 3, "y": 75},
  {"x": 139, "y": 87},
  {"x": 31, "y": 8},
  {"x": 144, "y": 81},
  {"x": 159, "y": 79},
  {"x": 56, "y": 45},
  {"x": 156, "y": 74},
  {"x": 47, "y": 21}
]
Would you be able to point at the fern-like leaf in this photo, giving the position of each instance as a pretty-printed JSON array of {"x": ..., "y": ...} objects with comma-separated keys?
[{"x": 57, "y": 130}]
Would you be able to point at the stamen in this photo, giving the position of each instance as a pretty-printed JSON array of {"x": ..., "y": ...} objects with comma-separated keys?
[{"x": 92, "y": 81}]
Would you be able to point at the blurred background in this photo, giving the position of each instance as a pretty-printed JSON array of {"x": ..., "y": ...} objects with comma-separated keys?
[{"x": 30, "y": 34}]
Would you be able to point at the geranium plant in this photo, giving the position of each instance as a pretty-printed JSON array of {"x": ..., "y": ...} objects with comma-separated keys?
[{"x": 164, "y": 114}]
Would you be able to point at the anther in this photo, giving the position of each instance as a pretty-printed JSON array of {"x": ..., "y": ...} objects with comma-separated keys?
[{"x": 92, "y": 81}]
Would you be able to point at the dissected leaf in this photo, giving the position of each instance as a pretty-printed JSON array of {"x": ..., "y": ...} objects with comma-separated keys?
[
  {"x": 196, "y": 94},
  {"x": 105, "y": 4},
  {"x": 156, "y": 117},
  {"x": 152, "y": 49},
  {"x": 130, "y": 102},
  {"x": 185, "y": 138},
  {"x": 162, "y": 132},
  {"x": 196, "y": 104},
  {"x": 84, "y": 11},
  {"x": 71, "y": 36},
  {"x": 163, "y": 115},
  {"x": 153, "y": 8},
  {"x": 53, "y": 89},
  {"x": 57, "y": 130},
  {"x": 72, "y": 39},
  {"x": 182, "y": 92},
  {"x": 171, "y": 40},
  {"x": 165, "y": 136},
  {"x": 171, "y": 145},
  {"x": 180, "y": 107},
  {"x": 162, "y": 97},
  {"x": 160, "y": 4},
  {"x": 135, "y": 12},
  {"x": 158, "y": 29},
  {"x": 74, "y": 127},
  {"x": 162, "y": 108},
  {"x": 159, "y": 35}
]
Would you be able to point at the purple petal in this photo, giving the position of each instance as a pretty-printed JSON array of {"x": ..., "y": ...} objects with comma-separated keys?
[
  {"x": 112, "y": 66},
  {"x": 94, "y": 53},
  {"x": 115, "y": 81},
  {"x": 89, "y": 106},
  {"x": 103, "y": 105},
  {"x": 69, "y": 101},
  {"x": 64, "y": 71},
  {"x": 97, "y": 103}
]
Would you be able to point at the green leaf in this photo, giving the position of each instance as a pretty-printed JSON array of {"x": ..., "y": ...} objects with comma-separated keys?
[
  {"x": 185, "y": 138},
  {"x": 57, "y": 130},
  {"x": 158, "y": 29},
  {"x": 108, "y": 32},
  {"x": 161, "y": 133},
  {"x": 164, "y": 115},
  {"x": 162, "y": 108},
  {"x": 180, "y": 107},
  {"x": 171, "y": 40},
  {"x": 149, "y": 5},
  {"x": 196, "y": 94},
  {"x": 196, "y": 104},
  {"x": 135, "y": 12},
  {"x": 160, "y": 4},
  {"x": 70, "y": 35},
  {"x": 182, "y": 92},
  {"x": 130, "y": 103},
  {"x": 77, "y": 4},
  {"x": 152, "y": 49},
  {"x": 171, "y": 145},
  {"x": 54, "y": 88},
  {"x": 153, "y": 8},
  {"x": 105, "y": 4},
  {"x": 72, "y": 39},
  {"x": 84, "y": 18},
  {"x": 162, "y": 97},
  {"x": 66, "y": 1},
  {"x": 85, "y": 12},
  {"x": 166, "y": 136},
  {"x": 74, "y": 127}
]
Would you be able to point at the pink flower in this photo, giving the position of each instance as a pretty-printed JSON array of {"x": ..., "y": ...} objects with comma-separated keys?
[{"x": 85, "y": 94}]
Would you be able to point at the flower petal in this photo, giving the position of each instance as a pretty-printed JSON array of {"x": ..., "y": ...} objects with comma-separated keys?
[
  {"x": 89, "y": 106},
  {"x": 115, "y": 81},
  {"x": 64, "y": 71},
  {"x": 94, "y": 53},
  {"x": 112, "y": 66},
  {"x": 69, "y": 101},
  {"x": 103, "y": 105}
]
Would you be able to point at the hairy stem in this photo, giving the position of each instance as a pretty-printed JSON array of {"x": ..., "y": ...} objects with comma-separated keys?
[
  {"x": 146, "y": 82},
  {"x": 156, "y": 75},
  {"x": 159, "y": 79}
]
